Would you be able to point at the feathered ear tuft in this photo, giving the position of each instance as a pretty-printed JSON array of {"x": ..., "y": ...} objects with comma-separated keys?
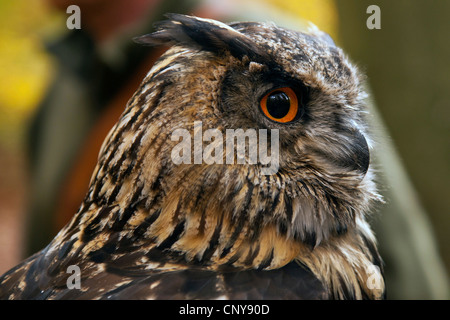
[
  {"x": 325, "y": 37},
  {"x": 205, "y": 34}
]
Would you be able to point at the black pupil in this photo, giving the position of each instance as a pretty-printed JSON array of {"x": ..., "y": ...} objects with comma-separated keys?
[{"x": 278, "y": 104}]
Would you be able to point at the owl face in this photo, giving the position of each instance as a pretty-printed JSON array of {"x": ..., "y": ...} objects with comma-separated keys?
[
  {"x": 259, "y": 76},
  {"x": 307, "y": 90}
]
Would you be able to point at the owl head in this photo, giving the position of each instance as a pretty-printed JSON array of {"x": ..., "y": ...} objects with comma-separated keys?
[{"x": 301, "y": 97}]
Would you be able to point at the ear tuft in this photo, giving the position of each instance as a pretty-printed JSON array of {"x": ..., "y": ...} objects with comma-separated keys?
[
  {"x": 323, "y": 36},
  {"x": 204, "y": 34}
]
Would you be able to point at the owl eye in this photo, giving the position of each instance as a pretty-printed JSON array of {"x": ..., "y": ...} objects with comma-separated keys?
[{"x": 280, "y": 105}]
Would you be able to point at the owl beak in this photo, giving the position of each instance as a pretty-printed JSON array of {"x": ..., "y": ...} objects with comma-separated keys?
[
  {"x": 360, "y": 153},
  {"x": 351, "y": 155}
]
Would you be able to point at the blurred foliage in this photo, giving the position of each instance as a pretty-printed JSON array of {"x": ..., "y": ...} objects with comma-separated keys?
[
  {"x": 322, "y": 13},
  {"x": 25, "y": 68}
]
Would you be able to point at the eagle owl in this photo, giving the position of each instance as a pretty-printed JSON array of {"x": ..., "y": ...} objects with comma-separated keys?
[{"x": 154, "y": 228}]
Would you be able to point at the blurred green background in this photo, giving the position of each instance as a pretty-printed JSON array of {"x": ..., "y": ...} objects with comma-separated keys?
[{"x": 406, "y": 63}]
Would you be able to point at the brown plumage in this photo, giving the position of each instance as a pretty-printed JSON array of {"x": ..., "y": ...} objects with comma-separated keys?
[{"x": 149, "y": 228}]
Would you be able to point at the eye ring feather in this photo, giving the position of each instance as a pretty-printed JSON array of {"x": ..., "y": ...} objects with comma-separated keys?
[{"x": 280, "y": 105}]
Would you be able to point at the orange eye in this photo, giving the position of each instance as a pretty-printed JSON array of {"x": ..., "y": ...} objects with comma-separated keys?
[{"x": 280, "y": 105}]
